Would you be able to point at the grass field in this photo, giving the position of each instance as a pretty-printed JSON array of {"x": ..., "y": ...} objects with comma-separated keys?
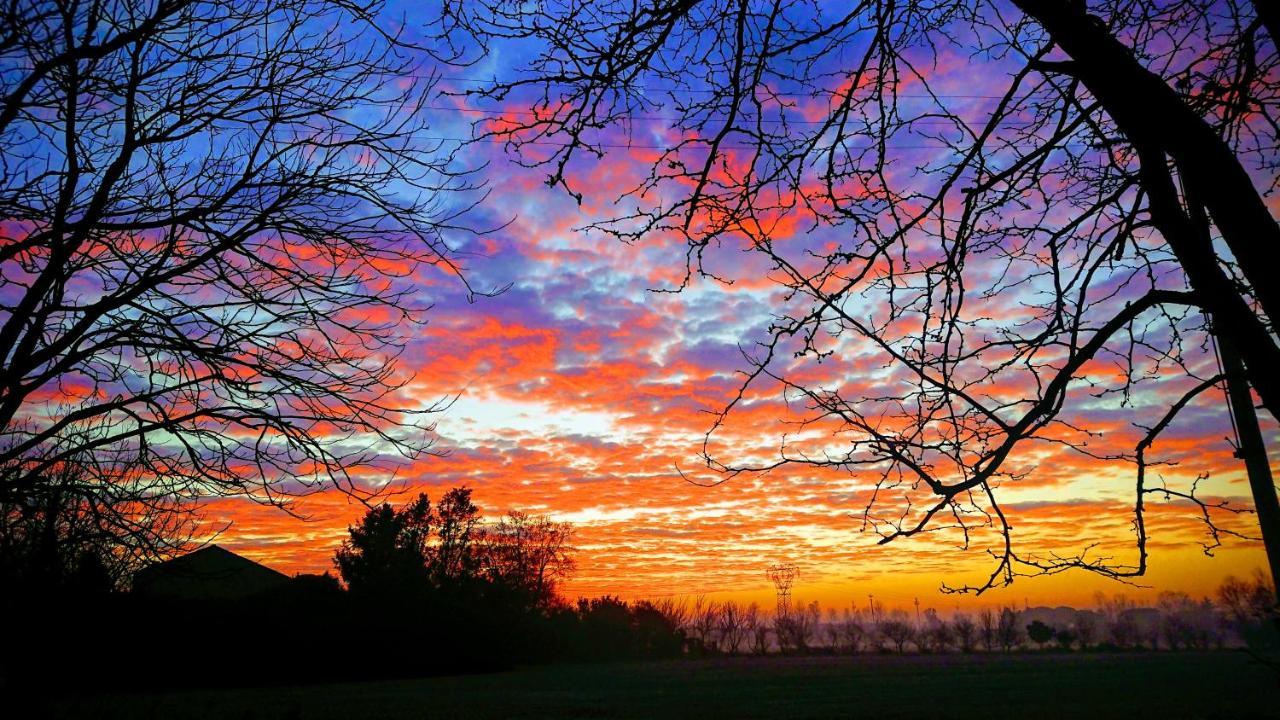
[{"x": 1140, "y": 685}]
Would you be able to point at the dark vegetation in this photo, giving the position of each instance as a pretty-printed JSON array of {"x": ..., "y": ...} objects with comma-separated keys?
[
  {"x": 1130, "y": 685},
  {"x": 425, "y": 589},
  {"x": 429, "y": 588},
  {"x": 205, "y": 284},
  {"x": 1242, "y": 617}
]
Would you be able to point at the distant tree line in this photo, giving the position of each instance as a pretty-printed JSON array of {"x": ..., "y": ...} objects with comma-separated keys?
[{"x": 1243, "y": 615}]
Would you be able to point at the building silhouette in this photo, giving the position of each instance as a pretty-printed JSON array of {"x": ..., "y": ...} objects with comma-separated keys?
[{"x": 211, "y": 572}]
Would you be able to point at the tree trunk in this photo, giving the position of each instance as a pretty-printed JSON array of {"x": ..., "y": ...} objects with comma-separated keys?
[
  {"x": 1254, "y": 453},
  {"x": 1269, "y": 14},
  {"x": 1154, "y": 117}
]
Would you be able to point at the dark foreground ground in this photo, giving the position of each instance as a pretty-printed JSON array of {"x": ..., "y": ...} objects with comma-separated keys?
[{"x": 1151, "y": 685}]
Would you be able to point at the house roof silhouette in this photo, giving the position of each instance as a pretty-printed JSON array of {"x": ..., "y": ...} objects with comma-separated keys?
[{"x": 211, "y": 572}]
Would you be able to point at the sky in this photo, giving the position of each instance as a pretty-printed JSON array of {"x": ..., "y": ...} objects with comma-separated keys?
[{"x": 581, "y": 394}]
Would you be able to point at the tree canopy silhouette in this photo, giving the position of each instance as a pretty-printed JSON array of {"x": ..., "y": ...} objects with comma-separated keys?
[
  {"x": 530, "y": 554},
  {"x": 210, "y": 214},
  {"x": 400, "y": 551},
  {"x": 388, "y": 549},
  {"x": 397, "y": 551},
  {"x": 1070, "y": 234},
  {"x": 79, "y": 535}
]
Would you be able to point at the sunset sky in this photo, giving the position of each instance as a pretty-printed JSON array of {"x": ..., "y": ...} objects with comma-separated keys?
[{"x": 580, "y": 392}]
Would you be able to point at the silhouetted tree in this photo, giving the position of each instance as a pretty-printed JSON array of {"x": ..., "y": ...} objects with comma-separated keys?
[
  {"x": 657, "y": 632},
  {"x": 937, "y": 634},
  {"x": 751, "y": 621},
  {"x": 395, "y": 551},
  {"x": 757, "y": 630},
  {"x": 854, "y": 629},
  {"x": 1086, "y": 628},
  {"x": 897, "y": 629},
  {"x": 1186, "y": 624},
  {"x": 1040, "y": 633},
  {"x": 832, "y": 630},
  {"x": 796, "y": 630},
  {"x": 528, "y": 553},
  {"x": 455, "y": 555},
  {"x": 388, "y": 551},
  {"x": 77, "y": 535},
  {"x": 676, "y": 610},
  {"x": 989, "y": 629},
  {"x": 1119, "y": 623},
  {"x": 1124, "y": 631},
  {"x": 1008, "y": 634},
  {"x": 607, "y": 627},
  {"x": 731, "y": 626},
  {"x": 702, "y": 625},
  {"x": 1065, "y": 638},
  {"x": 1246, "y": 599},
  {"x": 1250, "y": 607},
  {"x": 474, "y": 603},
  {"x": 1111, "y": 188},
  {"x": 212, "y": 212},
  {"x": 966, "y": 632},
  {"x": 808, "y": 622}
]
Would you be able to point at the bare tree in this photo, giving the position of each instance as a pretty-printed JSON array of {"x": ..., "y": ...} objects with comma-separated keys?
[
  {"x": 751, "y": 622},
  {"x": 833, "y": 630},
  {"x": 1251, "y": 612},
  {"x": 703, "y": 619},
  {"x": 966, "y": 632},
  {"x": 675, "y": 610},
  {"x": 937, "y": 634},
  {"x": 760, "y": 639},
  {"x": 732, "y": 626},
  {"x": 807, "y": 625},
  {"x": 1118, "y": 620},
  {"x": 1009, "y": 633},
  {"x": 1186, "y": 624},
  {"x": 1086, "y": 628},
  {"x": 529, "y": 552},
  {"x": 988, "y": 629},
  {"x": 897, "y": 629},
  {"x": 79, "y": 534},
  {"x": 1244, "y": 600},
  {"x": 1110, "y": 188},
  {"x": 854, "y": 629},
  {"x": 784, "y": 632},
  {"x": 213, "y": 211},
  {"x": 757, "y": 629},
  {"x": 796, "y": 630}
]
